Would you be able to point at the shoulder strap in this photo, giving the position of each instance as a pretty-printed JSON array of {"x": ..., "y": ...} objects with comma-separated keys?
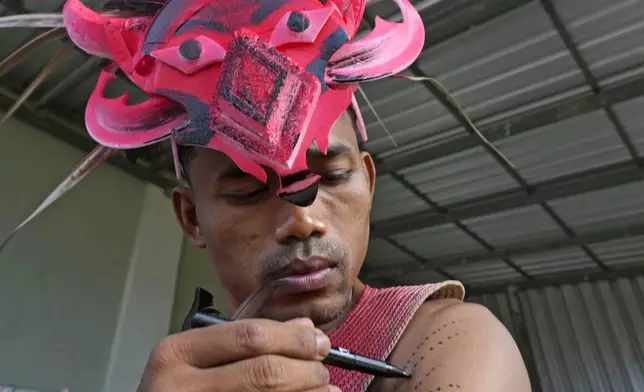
[{"x": 378, "y": 321}]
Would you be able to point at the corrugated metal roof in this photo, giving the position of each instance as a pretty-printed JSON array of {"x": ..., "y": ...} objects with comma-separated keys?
[
  {"x": 587, "y": 337},
  {"x": 484, "y": 273},
  {"x": 460, "y": 176},
  {"x": 408, "y": 110},
  {"x": 439, "y": 241},
  {"x": 512, "y": 60},
  {"x": 548, "y": 263},
  {"x": 607, "y": 32},
  {"x": 621, "y": 253},
  {"x": 392, "y": 198},
  {"x": 516, "y": 226},
  {"x": 381, "y": 253},
  {"x": 604, "y": 209},
  {"x": 582, "y": 337},
  {"x": 563, "y": 148},
  {"x": 422, "y": 277},
  {"x": 632, "y": 117}
]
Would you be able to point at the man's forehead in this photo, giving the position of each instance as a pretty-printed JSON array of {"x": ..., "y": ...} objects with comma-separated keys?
[{"x": 342, "y": 139}]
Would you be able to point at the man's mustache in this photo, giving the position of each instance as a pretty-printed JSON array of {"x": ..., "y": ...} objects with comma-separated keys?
[{"x": 272, "y": 264}]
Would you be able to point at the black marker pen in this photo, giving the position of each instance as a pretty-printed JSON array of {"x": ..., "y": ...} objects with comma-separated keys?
[{"x": 200, "y": 317}]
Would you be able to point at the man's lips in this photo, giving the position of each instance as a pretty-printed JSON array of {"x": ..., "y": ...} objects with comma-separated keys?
[
  {"x": 304, "y": 267},
  {"x": 306, "y": 275}
]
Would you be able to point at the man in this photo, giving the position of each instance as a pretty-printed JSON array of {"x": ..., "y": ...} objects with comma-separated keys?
[
  {"x": 256, "y": 100},
  {"x": 447, "y": 345}
]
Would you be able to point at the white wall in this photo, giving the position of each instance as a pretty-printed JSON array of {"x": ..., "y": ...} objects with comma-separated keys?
[
  {"x": 96, "y": 280},
  {"x": 62, "y": 277},
  {"x": 149, "y": 292}
]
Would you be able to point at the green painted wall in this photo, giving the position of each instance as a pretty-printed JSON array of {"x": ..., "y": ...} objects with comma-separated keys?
[{"x": 62, "y": 277}]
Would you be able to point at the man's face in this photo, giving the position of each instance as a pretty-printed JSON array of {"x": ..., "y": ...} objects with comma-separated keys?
[{"x": 315, "y": 252}]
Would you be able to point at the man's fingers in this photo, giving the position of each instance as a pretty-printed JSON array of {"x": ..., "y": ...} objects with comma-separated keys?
[
  {"x": 265, "y": 373},
  {"x": 231, "y": 342}
]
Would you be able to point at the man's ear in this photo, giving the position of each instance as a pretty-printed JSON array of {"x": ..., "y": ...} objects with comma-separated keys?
[
  {"x": 370, "y": 167},
  {"x": 183, "y": 201}
]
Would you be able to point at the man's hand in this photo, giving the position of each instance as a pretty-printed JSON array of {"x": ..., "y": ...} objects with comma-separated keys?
[{"x": 245, "y": 355}]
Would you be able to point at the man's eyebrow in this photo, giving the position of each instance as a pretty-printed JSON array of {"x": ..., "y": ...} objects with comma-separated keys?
[
  {"x": 233, "y": 172},
  {"x": 333, "y": 150}
]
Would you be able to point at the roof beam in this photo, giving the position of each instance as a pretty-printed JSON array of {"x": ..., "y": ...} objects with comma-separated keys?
[
  {"x": 522, "y": 250},
  {"x": 493, "y": 131},
  {"x": 574, "y": 184}
]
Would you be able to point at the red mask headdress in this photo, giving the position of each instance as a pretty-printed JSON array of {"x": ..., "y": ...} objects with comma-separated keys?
[{"x": 259, "y": 80}]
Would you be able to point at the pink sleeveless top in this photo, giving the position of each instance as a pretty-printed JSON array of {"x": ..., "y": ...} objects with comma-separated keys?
[{"x": 377, "y": 322}]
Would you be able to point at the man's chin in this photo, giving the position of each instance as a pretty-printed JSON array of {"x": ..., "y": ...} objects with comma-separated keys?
[{"x": 322, "y": 307}]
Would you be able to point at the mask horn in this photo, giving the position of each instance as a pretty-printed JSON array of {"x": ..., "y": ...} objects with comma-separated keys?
[
  {"x": 92, "y": 31},
  {"x": 389, "y": 49},
  {"x": 115, "y": 123}
]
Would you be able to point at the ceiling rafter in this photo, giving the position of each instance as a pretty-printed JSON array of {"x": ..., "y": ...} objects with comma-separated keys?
[
  {"x": 592, "y": 81},
  {"x": 574, "y": 184},
  {"x": 630, "y": 86},
  {"x": 431, "y": 203}
]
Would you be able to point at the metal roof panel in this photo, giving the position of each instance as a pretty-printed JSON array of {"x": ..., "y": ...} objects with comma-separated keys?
[
  {"x": 621, "y": 253},
  {"x": 577, "y": 144},
  {"x": 392, "y": 199},
  {"x": 381, "y": 253},
  {"x": 484, "y": 273},
  {"x": 603, "y": 210},
  {"x": 608, "y": 32},
  {"x": 460, "y": 176},
  {"x": 422, "y": 277},
  {"x": 512, "y": 60},
  {"x": 439, "y": 241},
  {"x": 408, "y": 110},
  {"x": 563, "y": 260},
  {"x": 517, "y": 226},
  {"x": 631, "y": 114}
]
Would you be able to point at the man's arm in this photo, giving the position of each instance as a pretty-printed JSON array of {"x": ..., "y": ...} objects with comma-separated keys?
[{"x": 454, "y": 346}]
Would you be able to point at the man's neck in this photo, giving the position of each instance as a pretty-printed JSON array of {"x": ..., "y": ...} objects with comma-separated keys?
[{"x": 356, "y": 294}]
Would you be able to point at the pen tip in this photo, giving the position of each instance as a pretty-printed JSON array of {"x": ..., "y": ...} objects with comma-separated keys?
[{"x": 400, "y": 373}]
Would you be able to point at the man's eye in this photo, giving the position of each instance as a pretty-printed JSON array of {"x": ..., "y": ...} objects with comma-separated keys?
[
  {"x": 336, "y": 177},
  {"x": 247, "y": 197}
]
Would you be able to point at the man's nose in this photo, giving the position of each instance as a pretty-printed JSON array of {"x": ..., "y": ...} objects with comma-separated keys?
[{"x": 300, "y": 223}]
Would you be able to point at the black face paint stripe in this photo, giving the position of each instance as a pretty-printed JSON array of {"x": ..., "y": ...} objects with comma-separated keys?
[
  {"x": 302, "y": 198},
  {"x": 199, "y": 132},
  {"x": 162, "y": 23},
  {"x": 334, "y": 42},
  {"x": 266, "y": 8}
]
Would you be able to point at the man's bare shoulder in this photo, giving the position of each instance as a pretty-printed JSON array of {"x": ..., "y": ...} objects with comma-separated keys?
[
  {"x": 431, "y": 312},
  {"x": 452, "y": 345}
]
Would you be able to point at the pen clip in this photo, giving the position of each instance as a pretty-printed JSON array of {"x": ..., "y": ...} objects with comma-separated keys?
[{"x": 201, "y": 302}]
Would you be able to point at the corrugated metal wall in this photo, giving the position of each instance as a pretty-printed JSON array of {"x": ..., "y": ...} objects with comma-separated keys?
[{"x": 578, "y": 338}]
